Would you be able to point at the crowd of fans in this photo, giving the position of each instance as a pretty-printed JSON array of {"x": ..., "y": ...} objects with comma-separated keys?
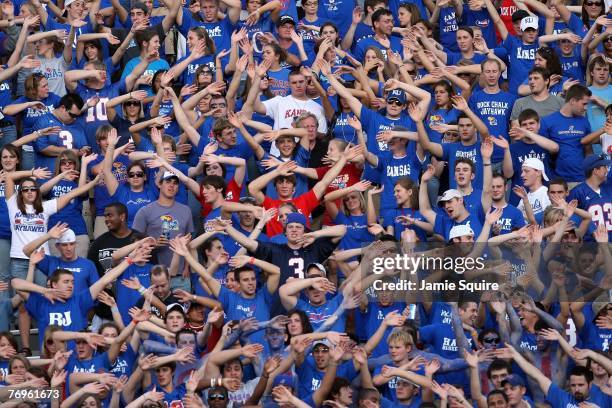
[{"x": 199, "y": 200}]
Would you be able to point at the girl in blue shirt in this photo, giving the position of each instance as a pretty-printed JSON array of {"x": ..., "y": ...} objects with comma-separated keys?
[
  {"x": 149, "y": 44},
  {"x": 442, "y": 111},
  {"x": 278, "y": 74},
  {"x": 347, "y": 207},
  {"x": 202, "y": 49},
  {"x": 548, "y": 59},
  {"x": 66, "y": 179},
  {"x": 406, "y": 215}
]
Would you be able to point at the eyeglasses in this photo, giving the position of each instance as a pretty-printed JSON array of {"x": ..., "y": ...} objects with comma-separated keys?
[
  {"x": 131, "y": 103},
  {"x": 158, "y": 127},
  {"x": 218, "y": 105},
  {"x": 135, "y": 174},
  {"x": 395, "y": 102},
  {"x": 74, "y": 115},
  {"x": 66, "y": 162},
  {"x": 214, "y": 397},
  {"x": 28, "y": 189},
  {"x": 592, "y": 3},
  {"x": 321, "y": 350}
]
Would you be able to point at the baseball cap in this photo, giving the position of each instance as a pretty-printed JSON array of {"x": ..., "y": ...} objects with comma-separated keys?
[
  {"x": 514, "y": 380},
  {"x": 284, "y": 20},
  {"x": 168, "y": 175},
  {"x": 460, "y": 231},
  {"x": 397, "y": 94},
  {"x": 296, "y": 218},
  {"x": 536, "y": 164},
  {"x": 323, "y": 342},
  {"x": 68, "y": 2},
  {"x": 175, "y": 306},
  {"x": 247, "y": 200},
  {"x": 318, "y": 266},
  {"x": 283, "y": 379},
  {"x": 529, "y": 22},
  {"x": 595, "y": 160},
  {"x": 519, "y": 15},
  {"x": 68, "y": 237},
  {"x": 449, "y": 195},
  {"x": 600, "y": 302}
]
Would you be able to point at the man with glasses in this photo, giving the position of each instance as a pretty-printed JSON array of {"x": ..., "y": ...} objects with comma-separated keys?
[{"x": 70, "y": 136}]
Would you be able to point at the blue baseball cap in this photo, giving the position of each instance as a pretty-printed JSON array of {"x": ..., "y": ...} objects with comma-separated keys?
[
  {"x": 397, "y": 94},
  {"x": 297, "y": 218},
  {"x": 514, "y": 380},
  {"x": 594, "y": 161}
]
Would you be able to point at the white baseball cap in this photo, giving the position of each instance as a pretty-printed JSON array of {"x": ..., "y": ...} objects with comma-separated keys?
[
  {"x": 449, "y": 195},
  {"x": 460, "y": 231},
  {"x": 536, "y": 164},
  {"x": 529, "y": 22},
  {"x": 68, "y": 237}
]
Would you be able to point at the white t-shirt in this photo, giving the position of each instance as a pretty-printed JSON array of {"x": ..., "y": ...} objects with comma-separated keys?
[
  {"x": 284, "y": 108},
  {"x": 606, "y": 143},
  {"x": 538, "y": 199},
  {"x": 27, "y": 227}
]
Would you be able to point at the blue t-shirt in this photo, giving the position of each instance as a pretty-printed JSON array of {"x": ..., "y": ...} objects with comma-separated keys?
[
  {"x": 71, "y": 315},
  {"x": 126, "y": 297},
  {"x": 439, "y": 117},
  {"x": 174, "y": 398},
  {"x": 521, "y": 58},
  {"x": 133, "y": 200},
  {"x": 84, "y": 271},
  {"x": 357, "y": 234},
  {"x": 373, "y": 318},
  {"x": 96, "y": 364},
  {"x": 70, "y": 136},
  {"x": 444, "y": 224},
  {"x": 72, "y": 213},
  {"x": 452, "y": 151},
  {"x": 567, "y": 132},
  {"x": 29, "y": 116},
  {"x": 342, "y": 130},
  {"x": 494, "y": 110},
  {"x": 559, "y": 398},
  {"x": 151, "y": 69},
  {"x": 447, "y": 21},
  {"x": 310, "y": 377},
  {"x": 101, "y": 196},
  {"x": 390, "y": 218},
  {"x": 237, "y": 307},
  {"x": 394, "y": 168},
  {"x": 481, "y": 19},
  {"x": 218, "y": 31},
  {"x": 598, "y": 204},
  {"x": 188, "y": 75},
  {"x": 339, "y": 12},
  {"x": 366, "y": 42},
  {"x": 96, "y": 116},
  {"x": 319, "y": 314},
  {"x": 373, "y": 123},
  {"x": 510, "y": 220}
]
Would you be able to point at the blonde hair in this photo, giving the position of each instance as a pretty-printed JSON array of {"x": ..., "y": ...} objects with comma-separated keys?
[{"x": 400, "y": 336}]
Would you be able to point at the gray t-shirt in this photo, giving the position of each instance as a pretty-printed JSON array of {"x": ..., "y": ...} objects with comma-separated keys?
[
  {"x": 52, "y": 68},
  {"x": 153, "y": 219},
  {"x": 551, "y": 105}
]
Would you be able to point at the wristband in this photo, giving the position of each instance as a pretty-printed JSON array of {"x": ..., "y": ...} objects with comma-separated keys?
[
  {"x": 115, "y": 309},
  {"x": 212, "y": 382},
  {"x": 194, "y": 298},
  {"x": 486, "y": 164},
  {"x": 129, "y": 260},
  {"x": 142, "y": 290},
  {"x": 252, "y": 260}
]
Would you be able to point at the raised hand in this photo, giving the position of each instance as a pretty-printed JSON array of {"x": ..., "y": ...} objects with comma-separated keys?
[{"x": 252, "y": 350}]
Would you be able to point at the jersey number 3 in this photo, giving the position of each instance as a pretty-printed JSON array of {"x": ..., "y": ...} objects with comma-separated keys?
[{"x": 298, "y": 267}]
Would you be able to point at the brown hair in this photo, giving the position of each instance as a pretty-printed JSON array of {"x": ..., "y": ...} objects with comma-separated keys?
[
  {"x": 67, "y": 154},
  {"x": 31, "y": 84},
  {"x": 14, "y": 151},
  {"x": 37, "y": 204},
  {"x": 408, "y": 184}
]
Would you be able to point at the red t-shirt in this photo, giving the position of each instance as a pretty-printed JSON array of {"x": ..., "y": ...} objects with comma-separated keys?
[
  {"x": 304, "y": 203},
  {"x": 507, "y": 9},
  {"x": 232, "y": 193},
  {"x": 349, "y": 175}
]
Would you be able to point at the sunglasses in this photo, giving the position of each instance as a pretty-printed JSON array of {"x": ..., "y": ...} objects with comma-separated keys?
[
  {"x": 218, "y": 397},
  {"x": 564, "y": 41},
  {"x": 159, "y": 127},
  {"x": 28, "y": 189},
  {"x": 491, "y": 340},
  {"x": 131, "y": 103},
  {"x": 321, "y": 350},
  {"x": 66, "y": 162},
  {"x": 593, "y": 3},
  {"x": 74, "y": 115},
  {"x": 135, "y": 174},
  {"x": 608, "y": 39},
  {"x": 49, "y": 342},
  {"x": 394, "y": 102}
]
